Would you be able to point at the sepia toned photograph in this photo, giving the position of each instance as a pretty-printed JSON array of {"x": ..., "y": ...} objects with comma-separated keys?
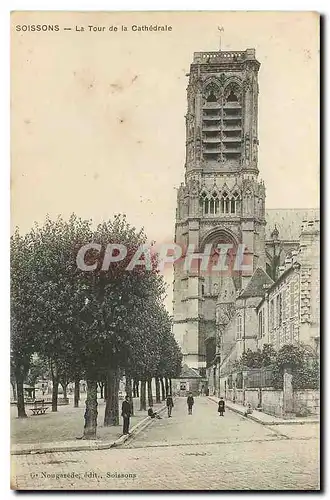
[{"x": 165, "y": 251}]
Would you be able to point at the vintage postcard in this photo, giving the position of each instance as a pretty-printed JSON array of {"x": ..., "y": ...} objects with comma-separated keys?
[{"x": 165, "y": 276}]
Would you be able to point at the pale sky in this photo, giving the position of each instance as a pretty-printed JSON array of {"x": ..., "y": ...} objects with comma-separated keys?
[{"x": 97, "y": 119}]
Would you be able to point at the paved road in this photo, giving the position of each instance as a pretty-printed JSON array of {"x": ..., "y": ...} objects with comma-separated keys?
[{"x": 201, "y": 451}]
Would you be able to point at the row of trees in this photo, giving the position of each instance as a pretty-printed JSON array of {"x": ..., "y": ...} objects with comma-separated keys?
[
  {"x": 301, "y": 359},
  {"x": 92, "y": 325}
]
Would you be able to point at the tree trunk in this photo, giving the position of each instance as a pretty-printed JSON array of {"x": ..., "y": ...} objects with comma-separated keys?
[
  {"x": 143, "y": 402},
  {"x": 54, "y": 372},
  {"x": 101, "y": 384},
  {"x": 163, "y": 389},
  {"x": 111, "y": 414},
  {"x": 64, "y": 387},
  {"x": 137, "y": 389},
  {"x": 128, "y": 390},
  {"x": 105, "y": 390},
  {"x": 20, "y": 396},
  {"x": 91, "y": 410},
  {"x": 170, "y": 380},
  {"x": 157, "y": 390},
  {"x": 13, "y": 385},
  {"x": 166, "y": 386},
  {"x": 76, "y": 392},
  {"x": 134, "y": 388},
  {"x": 150, "y": 398}
]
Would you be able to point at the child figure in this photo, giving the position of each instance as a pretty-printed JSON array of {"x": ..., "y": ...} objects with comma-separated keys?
[{"x": 221, "y": 407}]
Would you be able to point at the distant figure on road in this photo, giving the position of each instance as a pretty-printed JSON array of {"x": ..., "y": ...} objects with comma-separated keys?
[
  {"x": 169, "y": 404},
  {"x": 221, "y": 407},
  {"x": 126, "y": 414},
  {"x": 190, "y": 403},
  {"x": 153, "y": 414}
]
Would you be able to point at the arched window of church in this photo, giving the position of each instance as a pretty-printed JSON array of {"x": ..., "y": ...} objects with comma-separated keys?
[
  {"x": 215, "y": 204},
  {"x": 234, "y": 203},
  {"x": 204, "y": 203},
  {"x": 232, "y": 97},
  {"x": 212, "y": 206},
  {"x": 211, "y": 97},
  {"x": 225, "y": 203},
  {"x": 248, "y": 202}
]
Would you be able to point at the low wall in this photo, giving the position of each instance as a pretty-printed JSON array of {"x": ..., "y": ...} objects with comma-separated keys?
[
  {"x": 306, "y": 402},
  {"x": 272, "y": 402},
  {"x": 239, "y": 396},
  {"x": 252, "y": 397},
  {"x": 230, "y": 394}
]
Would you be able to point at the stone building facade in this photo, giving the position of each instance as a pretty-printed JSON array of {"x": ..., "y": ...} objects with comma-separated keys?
[
  {"x": 222, "y": 201},
  {"x": 289, "y": 311}
]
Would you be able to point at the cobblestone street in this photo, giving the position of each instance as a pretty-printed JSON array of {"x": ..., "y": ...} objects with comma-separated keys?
[{"x": 201, "y": 451}]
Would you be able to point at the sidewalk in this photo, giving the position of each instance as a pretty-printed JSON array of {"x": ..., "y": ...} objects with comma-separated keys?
[
  {"x": 84, "y": 445},
  {"x": 264, "y": 418}
]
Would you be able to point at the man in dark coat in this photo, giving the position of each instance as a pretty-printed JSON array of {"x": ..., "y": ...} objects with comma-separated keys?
[
  {"x": 169, "y": 404},
  {"x": 190, "y": 403},
  {"x": 221, "y": 407},
  {"x": 126, "y": 413},
  {"x": 153, "y": 414}
]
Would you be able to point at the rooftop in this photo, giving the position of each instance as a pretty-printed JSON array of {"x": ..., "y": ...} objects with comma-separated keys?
[
  {"x": 224, "y": 56},
  {"x": 255, "y": 287}
]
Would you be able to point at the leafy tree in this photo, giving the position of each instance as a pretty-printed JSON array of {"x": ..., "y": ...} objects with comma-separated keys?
[
  {"x": 268, "y": 355},
  {"x": 39, "y": 369},
  {"x": 22, "y": 339},
  {"x": 303, "y": 364}
]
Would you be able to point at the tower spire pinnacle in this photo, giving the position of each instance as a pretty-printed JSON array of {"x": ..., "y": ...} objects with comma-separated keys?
[{"x": 221, "y": 30}]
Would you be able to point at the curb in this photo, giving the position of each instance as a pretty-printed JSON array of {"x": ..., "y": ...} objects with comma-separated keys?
[
  {"x": 271, "y": 422},
  {"x": 91, "y": 445}
]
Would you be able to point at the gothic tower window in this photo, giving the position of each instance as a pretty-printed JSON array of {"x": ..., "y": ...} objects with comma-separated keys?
[
  {"x": 234, "y": 203},
  {"x": 211, "y": 97},
  {"x": 232, "y": 97},
  {"x": 225, "y": 203},
  {"x": 248, "y": 202}
]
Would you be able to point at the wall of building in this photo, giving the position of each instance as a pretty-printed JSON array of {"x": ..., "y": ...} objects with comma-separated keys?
[{"x": 306, "y": 400}]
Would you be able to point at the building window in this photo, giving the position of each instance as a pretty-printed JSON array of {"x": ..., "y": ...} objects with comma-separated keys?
[
  {"x": 261, "y": 329},
  {"x": 239, "y": 326},
  {"x": 213, "y": 205},
  {"x": 271, "y": 314},
  {"x": 203, "y": 290},
  {"x": 280, "y": 310},
  {"x": 284, "y": 305},
  {"x": 211, "y": 97},
  {"x": 292, "y": 299}
]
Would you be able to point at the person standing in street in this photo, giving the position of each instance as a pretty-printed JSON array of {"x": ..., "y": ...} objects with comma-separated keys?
[
  {"x": 221, "y": 407},
  {"x": 190, "y": 403},
  {"x": 169, "y": 404},
  {"x": 126, "y": 414}
]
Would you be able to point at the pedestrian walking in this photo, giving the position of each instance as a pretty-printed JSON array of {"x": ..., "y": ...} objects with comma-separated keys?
[
  {"x": 169, "y": 404},
  {"x": 126, "y": 414},
  {"x": 221, "y": 407},
  {"x": 190, "y": 403}
]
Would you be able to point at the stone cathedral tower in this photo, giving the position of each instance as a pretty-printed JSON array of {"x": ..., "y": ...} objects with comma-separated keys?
[{"x": 221, "y": 200}]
